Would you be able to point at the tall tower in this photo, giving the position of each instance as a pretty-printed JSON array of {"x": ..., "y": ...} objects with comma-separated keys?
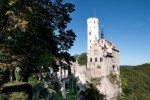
[{"x": 92, "y": 31}]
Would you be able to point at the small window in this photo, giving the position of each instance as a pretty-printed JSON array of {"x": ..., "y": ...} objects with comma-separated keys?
[
  {"x": 98, "y": 66},
  {"x": 90, "y": 41},
  {"x": 101, "y": 59},
  {"x": 94, "y": 27},
  {"x": 90, "y": 59},
  {"x": 113, "y": 67},
  {"x": 89, "y": 33},
  {"x": 94, "y": 22},
  {"x": 95, "y": 59}
]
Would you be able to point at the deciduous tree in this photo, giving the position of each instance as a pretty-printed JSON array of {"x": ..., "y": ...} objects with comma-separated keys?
[{"x": 28, "y": 28}]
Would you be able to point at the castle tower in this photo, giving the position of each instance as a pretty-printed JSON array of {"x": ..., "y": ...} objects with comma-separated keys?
[{"x": 92, "y": 31}]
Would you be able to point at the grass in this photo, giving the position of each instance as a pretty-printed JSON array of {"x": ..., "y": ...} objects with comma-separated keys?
[
  {"x": 15, "y": 83},
  {"x": 17, "y": 90},
  {"x": 18, "y": 96}
]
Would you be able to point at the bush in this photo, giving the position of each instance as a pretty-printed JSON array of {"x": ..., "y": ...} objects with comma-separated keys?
[
  {"x": 96, "y": 81},
  {"x": 91, "y": 94},
  {"x": 33, "y": 81},
  {"x": 82, "y": 60},
  {"x": 3, "y": 96},
  {"x": 112, "y": 78}
]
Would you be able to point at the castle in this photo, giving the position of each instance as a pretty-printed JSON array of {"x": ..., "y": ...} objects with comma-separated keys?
[
  {"x": 102, "y": 67},
  {"x": 103, "y": 60}
]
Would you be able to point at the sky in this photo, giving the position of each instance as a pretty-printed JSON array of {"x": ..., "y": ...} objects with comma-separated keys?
[{"x": 125, "y": 22}]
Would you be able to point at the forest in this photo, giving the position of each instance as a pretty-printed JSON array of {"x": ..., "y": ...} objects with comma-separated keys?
[{"x": 135, "y": 82}]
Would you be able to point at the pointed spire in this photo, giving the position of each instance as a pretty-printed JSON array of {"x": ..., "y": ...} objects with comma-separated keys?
[{"x": 102, "y": 33}]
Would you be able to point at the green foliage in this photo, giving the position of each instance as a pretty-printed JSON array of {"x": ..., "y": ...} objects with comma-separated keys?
[
  {"x": 3, "y": 96},
  {"x": 33, "y": 81},
  {"x": 18, "y": 96},
  {"x": 112, "y": 78},
  {"x": 17, "y": 91},
  {"x": 96, "y": 81},
  {"x": 14, "y": 84},
  {"x": 135, "y": 82},
  {"x": 1, "y": 75},
  {"x": 45, "y": 59},
  {"x": 29, "y": 28},
  {"x": 82, "y": 59},
  {"x": 91, "y": 93},
  {"x": 71, "y": 91}
]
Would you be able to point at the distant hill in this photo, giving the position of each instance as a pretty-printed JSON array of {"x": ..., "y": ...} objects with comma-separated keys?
[{"x": 135, "y": 82}]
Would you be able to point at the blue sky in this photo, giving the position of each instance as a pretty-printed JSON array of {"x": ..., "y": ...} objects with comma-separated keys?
[{"x": 126, "y": 23}]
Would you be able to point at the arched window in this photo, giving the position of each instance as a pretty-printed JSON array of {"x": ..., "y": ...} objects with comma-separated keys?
[
  {"x": 101, "y": 59},
  {"x": 90, "y": 59},
  {"x": 95, "y": 59}
]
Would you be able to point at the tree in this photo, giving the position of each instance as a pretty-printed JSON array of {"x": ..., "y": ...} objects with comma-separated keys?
[
  {"x": 28, "y": 29},
  {"x": 91, "y": 93},
  {"x": 82, "y": 59}
]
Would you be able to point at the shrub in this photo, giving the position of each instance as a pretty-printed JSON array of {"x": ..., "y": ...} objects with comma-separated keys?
[
  {"x": 112, "y": 78},
  {"x": 96, "y": 81},
  {"x": 33, "y": 81},
  {"x": 82, "y": 60},
  {"x": 91, "y": 94}
]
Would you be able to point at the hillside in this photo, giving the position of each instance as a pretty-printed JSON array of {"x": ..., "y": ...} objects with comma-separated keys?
[{"x": 136, "y": 82}]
